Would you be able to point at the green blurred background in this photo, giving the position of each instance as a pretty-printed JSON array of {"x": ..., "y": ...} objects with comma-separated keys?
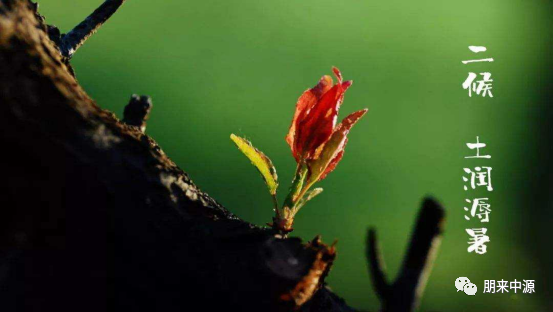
[{"x": 219, "y": 67}]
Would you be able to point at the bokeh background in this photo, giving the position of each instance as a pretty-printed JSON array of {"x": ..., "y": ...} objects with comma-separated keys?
[{"x": 219, "y": 67}]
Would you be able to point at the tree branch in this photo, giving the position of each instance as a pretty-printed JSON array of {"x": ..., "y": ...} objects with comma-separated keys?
[
  {"x": 74, "y": 39},
  {"x": 405, "y": 293},
  {"x": 96, "y": 217},
  {"x": 377, "y": 265},
  {"x": 137, "y": 112}
]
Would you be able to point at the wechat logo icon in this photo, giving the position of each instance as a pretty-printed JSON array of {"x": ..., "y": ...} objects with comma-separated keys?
[{"x": 464, "y": 284}]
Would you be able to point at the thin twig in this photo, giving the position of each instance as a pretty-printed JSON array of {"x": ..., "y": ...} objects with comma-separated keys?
[
  {"x": 74, "y": 39},
  {"x": 405, "y": 292},
  {"x": 422, "y": 250},
  {"x": 377, "y": 265}
]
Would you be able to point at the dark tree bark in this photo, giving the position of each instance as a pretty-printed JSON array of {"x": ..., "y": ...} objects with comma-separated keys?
[{"x": 95, "y": 216}]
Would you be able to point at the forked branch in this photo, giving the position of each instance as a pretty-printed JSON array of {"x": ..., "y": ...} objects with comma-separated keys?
[{"x": 405, "y": 292}]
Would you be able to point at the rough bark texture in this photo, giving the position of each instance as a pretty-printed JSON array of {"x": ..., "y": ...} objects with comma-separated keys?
[{"x": 95, "y": 216}]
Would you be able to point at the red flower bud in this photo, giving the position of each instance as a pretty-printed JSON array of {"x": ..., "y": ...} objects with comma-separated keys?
[
  {"x": 314, "y": 136},
  {"x": 315, "y": 116}
]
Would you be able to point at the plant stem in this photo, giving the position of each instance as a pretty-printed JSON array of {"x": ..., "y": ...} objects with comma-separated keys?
[
  {"x": 296, "y": 188},
  {"x": 275, "y": 203}
]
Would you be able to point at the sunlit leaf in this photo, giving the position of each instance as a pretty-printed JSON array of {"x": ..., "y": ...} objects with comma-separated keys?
[
  {"x": 309, "y": 196},
  {"x": 260, "y": 161},
  {"x": 333, "y": 150}
]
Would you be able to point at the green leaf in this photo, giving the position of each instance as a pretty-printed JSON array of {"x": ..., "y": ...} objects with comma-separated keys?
[
  {"x": 313, "y": 193},
  {"x": 260, "y": 161},
  {"x": 333, "y": 150},
  {"x": 309, "y": 196}
]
